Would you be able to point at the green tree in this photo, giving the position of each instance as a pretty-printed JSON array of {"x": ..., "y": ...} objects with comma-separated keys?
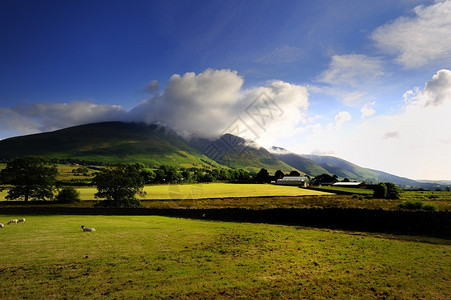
[
  {"x": 119, "y": 185},
  {"x": 68, "y": 195},
  {"x": 393, "y": 191},
  {"x": 380, "y": 191},
  {"x": 278, "y": 175},
  {"x": 294, "y": 173},
  {"x": 262, "y": 176},
  {"x": 30, "y": 177}
]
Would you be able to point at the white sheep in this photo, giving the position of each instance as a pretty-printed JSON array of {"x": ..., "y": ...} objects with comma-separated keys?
[
  {"x": 12, "y": 221},
  {"x": 1, "y": 225},
  {"x": 21, "y": 220},
  {"x": 87, "y": 228}
]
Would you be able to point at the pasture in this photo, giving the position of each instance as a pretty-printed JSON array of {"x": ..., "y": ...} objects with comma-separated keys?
[
  {"x": 211, "y": 190},
  {"x": 160, "y": 257}
]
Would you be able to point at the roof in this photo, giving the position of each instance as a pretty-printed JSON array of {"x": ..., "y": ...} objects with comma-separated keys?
[
  {"x": 351, "y": 183},
  {"x": 293, "y": 178}
]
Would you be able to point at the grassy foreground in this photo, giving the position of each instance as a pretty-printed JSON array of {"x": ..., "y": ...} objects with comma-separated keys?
[{"x": 160, "y": 257}]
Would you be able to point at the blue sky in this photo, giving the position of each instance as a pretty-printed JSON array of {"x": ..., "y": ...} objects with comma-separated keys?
[{"x": 367, "y": 81}]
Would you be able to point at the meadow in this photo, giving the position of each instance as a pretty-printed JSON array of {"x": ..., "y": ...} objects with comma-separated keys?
[
  {"x": 159, "y": 257},
  {"x": 211, "y": 190}
]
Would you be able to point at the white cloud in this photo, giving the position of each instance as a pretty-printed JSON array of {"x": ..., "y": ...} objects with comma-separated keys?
[
  {"x": 421, "y": 39},
  {"x": 341, "y": 118},
  {"x": 352, "y": 70},
  {"x": 214, "y": 102},
  {"x": 438, "y": 90},
  {"x": 51, "y": 116},
  {"x": 368, "y": 110},
  {"x": 414, "y": 142}
]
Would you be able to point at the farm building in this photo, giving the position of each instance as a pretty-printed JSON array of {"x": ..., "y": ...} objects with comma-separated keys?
[
  {"x": 354, "y": 184},
  {"x": 294, "y": 180}
]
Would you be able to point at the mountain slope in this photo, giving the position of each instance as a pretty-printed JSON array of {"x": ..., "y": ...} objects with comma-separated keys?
[
  {"x": 343, "y": 168},
  {"x": 108, "y": 142},
  {"x": 238, "y": 153},
  {"x": 299, "y": 162}
]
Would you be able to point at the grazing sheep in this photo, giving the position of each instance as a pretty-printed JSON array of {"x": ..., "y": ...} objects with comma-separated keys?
[
  {"x": 1, "y": 225},
  {"x": 87, "y": 228},
  {"x": 12, "y": 221},
  {"x": 21, "y": 220}
]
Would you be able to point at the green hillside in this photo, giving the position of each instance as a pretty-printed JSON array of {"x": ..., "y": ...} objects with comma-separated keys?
[
  {"x": 297, "y": 161},
  {"x": 238, "y": 153},
  {"x": 109, "y": 142}
]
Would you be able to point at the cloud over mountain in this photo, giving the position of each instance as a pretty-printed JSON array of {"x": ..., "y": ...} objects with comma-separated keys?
[{"x": 206, "y": 104}]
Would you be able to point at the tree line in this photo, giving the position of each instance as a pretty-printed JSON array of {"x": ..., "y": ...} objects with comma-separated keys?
[{"x": 34, "y": 178}]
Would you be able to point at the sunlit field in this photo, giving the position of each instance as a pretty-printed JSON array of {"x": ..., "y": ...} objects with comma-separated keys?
[
  {"x": 150, "y": 256},
  {"x": 211, "y": 190}
]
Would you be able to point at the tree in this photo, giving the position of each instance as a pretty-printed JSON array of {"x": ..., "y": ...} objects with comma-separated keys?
[
  {"x": 119, "y": 185},
  {"x": 380, "y": 191},
  {"x": 387, "y": 190},
  {"x": 278, "y": 175},
  {"x": 68, "y": 195},
  {"x": 294, "y": 173},
  {"x": 31, "y": 178},
  {"x": 393, "y": 191},
  {"x": 262, "y": 176},
  {"x": 323, "y": 179}
]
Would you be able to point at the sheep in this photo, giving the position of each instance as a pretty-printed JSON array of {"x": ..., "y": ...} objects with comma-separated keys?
[
  {"x": 87, "y": 228},
  {"x": 1, "y": 225},
  {"x": 12, "y": 221},
  {"x": 21, "y": 220}
]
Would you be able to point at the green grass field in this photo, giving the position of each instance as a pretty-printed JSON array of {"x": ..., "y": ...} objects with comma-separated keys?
[
  {"x": 158, "y": 257},
  {"x": 211, "y": 190}
]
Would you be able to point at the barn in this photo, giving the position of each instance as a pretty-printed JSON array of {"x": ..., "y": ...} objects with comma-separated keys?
[
  {"x": 353, "y": 184},
  {"x": 302, "y": 181}
]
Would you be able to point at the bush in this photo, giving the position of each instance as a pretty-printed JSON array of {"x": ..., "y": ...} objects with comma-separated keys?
[
  {"x": 380, "y": 191},
  {"x": 387, "y": 190},
  {"x": 418, "y": 205},
  {"x": 393, "y": 191},
  {"x": 359, "y": 197},
  {"x": 430, "y": 207},
  {"x": 68, "y": 195}
]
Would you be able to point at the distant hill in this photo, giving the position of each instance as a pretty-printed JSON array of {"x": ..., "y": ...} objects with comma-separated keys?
[
  {"x": 109, "y": 142},
  {"x": 299, "y": 162},
  {"x": 238, "y": 153},
  {"x": 343, "y": 168},
  {"x": 315, "y": 165}
]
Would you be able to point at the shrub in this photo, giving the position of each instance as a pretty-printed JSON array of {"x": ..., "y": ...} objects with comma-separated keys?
[
  {"x": 380, "y": 191},
  {"x": 359, "y": 197},
  {"x": 68, "y": 195},
  {"x": 418, "y": 205},
  {"x": 393, "y": 191},
  {"x": 430, "y": 207}
]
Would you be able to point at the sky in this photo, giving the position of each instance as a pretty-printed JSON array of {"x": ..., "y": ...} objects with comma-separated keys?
[{"x": 366, "y": 81}]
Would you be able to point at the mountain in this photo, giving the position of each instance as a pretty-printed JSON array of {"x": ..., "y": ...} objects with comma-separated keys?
[
  {"x": 343, "y": 168},
  {"x": 299, "y": 162},
  {"x": 315, "y": 165},
  {"x": 109, "y": 142},
  {"x": 238, "y": 153}
]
